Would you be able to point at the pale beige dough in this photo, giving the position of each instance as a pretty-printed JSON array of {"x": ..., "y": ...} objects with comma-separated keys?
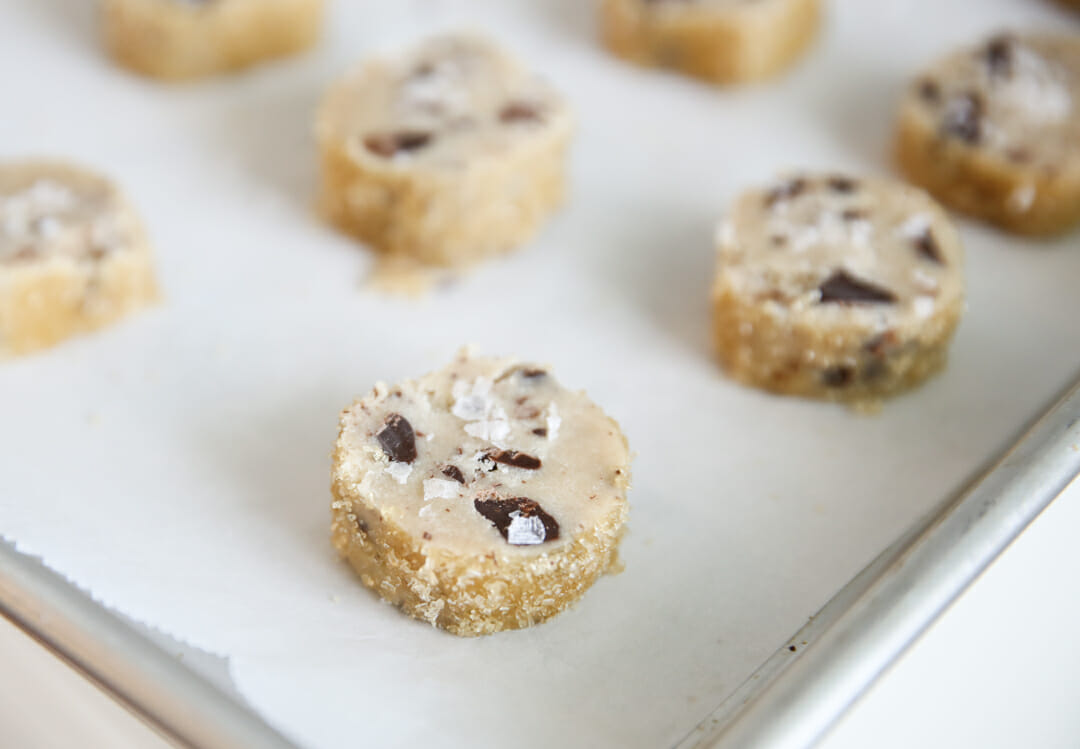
[
  {"x": 178, "y": 39},
  {"x": 836, "y": 287},
  {"x": 428, "y": 473},
  {"x": 448, "y": 153},
  {"x": 724, "y": 41},
  {"x": 73, "y": 255},
  {"x": 993, "y": 131}
]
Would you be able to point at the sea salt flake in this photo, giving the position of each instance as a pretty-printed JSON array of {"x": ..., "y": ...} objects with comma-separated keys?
[
  {"x": 923, "y": 306},
  {"x": 916, "y": 226},
  {"x": 554, "y": 421},
  {"x": 440, "y": 489},
  {"x": 525, "y": 531},
  {"x": 399, "y": 471},
  {"x": 1022, "y": 198},
  {"x": 494, "y": 430},
  {"x": 472, "y": 401}
]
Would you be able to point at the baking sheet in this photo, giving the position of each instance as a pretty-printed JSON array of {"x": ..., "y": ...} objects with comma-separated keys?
[{"x": 176, "y": 465}]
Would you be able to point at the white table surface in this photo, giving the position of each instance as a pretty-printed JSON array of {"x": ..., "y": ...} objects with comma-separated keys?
[{"x": 1000, "y": 669}]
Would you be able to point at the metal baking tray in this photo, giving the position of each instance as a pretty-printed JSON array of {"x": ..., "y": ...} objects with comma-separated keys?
[{"x": 171, "y": 471}]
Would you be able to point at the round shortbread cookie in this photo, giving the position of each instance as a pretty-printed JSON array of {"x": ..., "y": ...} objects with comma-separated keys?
[
  {"x": 838, "y": 288},
  {"x": 725, "y": 41},
  {"x": 447, "y": 154},
  {"x": 180, "y": 39},
  {"x": 994, "y": 131},
  {"x": 482, "y": 497},
  {"x": 73, "y": 255}
]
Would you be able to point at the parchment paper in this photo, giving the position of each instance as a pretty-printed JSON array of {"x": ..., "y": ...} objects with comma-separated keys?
[{"x": 177, "y": 464}]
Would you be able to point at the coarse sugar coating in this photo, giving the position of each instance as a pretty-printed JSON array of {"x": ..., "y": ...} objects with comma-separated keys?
[
  {"x": 448, "y": 153},
  {"x": 723, "y": 41},
  {"x": 180, "y": 39},
  {"x": 993, "y": 130},
  {"x": 481, "y": 497},
  {"x": 73, "y": 255},
  {"x": 835, "y": 287}
]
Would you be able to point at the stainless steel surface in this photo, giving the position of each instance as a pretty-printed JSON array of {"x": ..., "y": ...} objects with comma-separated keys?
[
  {"x": 797, "y": 694},
  {"x": 181, "y": 704}
]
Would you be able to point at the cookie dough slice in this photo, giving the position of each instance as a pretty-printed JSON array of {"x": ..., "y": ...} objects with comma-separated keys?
[
  {"x": 447, "y": 154},
  {"x": 725, "y": 41},
  {"x": 482, "y": 497},
  {"x": 838, "y": 288},
  {"x": 179, "y": 39},
  {"x": 73, "y": 255},
  {"x": 994, "y": 131}
]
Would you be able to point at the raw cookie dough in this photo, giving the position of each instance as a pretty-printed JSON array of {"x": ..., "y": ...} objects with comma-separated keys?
[
  {"x": 448, "y": 154},
  {"x": 835, "y": 287},
  {"x": 482, "y": 497},
  {"x": 725, "y": 41},
  {"x": 994, "y": 131},
  {"x": 190, "y": 38},
  {"x": 73, "y": 255}
]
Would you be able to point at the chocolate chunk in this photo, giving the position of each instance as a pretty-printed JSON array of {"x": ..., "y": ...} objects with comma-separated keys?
[
  {"x": 1018, "y": 155},
  {"x": 843, "y": 288},
  {"x": 786, "y": 191},
  {"x": 778, "y": 240},
  {"x": 854, "y": 214},
  {"x": 880, "y": 344},
  {"x": 999, "y": 56},
  {"x": 928, "y": 247},
  {"x": 874, "y": 369},
  {"x": 520, "y": 520},
  {"x": 515, "y": 458},
  {"x": 963, "y": 117},
  {"x": 842, "y": 184},
  {"x": 397, "y": 439},
  {"x": 930, "y": 91},
  {"x": 520, "y": 111},
  {"x": 528, "y": 373},
  {"x": 23, "y": 255},
  {"x": 838, "y": 377},
  {"x": 388, "y": 145},
  {"x": 540, "y": 431},
  {"x": 453, "y": 472}
]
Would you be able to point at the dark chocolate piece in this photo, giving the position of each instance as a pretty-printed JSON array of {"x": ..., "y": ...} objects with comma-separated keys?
[
  {"x": 930, "y": 91},
  {"x": 397, "y": 439},
  {"x": 388, "y": 145},
  {"x": 520, "y": 111},
  {"x": 786, "y": 191},
  {"x": 880, "y": 344},
  {"x": 540, "y": 431},
  {"x": 842, "y": 184},
  {"x": 999, "y": 56},
  {"x": 963, "y": 117},
  {"x": 928, "y": 247},
  {"x": 854, "y": 214},
  {"x": 503, "y": 512},
  {"x": 843, "y": 288},
  {"x": 515, "y": 458},
  {"x": 838, "y": 377},
  {"x": 453, "y": 472}
]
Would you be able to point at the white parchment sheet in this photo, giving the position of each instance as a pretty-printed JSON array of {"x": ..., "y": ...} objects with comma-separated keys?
[{"x": 177, "y": 464}]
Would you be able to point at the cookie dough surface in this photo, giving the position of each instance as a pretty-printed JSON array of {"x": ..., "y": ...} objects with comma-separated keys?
[
  {"x": 724, "y": 41},
  {"x": 73, "y": 255},
  {"x": 178, "y": 39},
  {"x": 836, "y": 287},
  {"x": 994, "y": 131},
  {"x": 448, "y": 153},
  {"x": 481, "y": 497}
]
